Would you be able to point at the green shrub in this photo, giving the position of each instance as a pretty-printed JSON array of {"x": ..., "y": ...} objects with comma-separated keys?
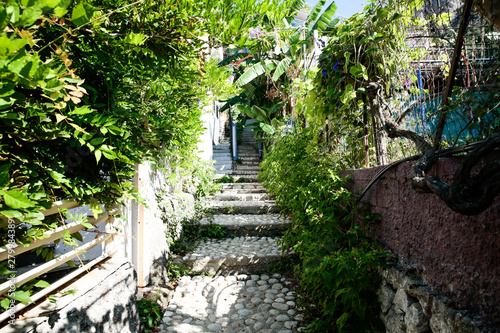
[
  {"x": 204, "y": 177},
  {"x": 338, "y": 259},
  {"x": 150, "y": 313}
]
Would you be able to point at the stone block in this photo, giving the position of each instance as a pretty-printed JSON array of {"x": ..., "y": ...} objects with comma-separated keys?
[
  {"x": 402, "y": 300},
  {"x": 395, "y": 321},
  {"x": 424, "y": 298},
  {"x": 415, "y": 320},
  {"x": 443, "y": 318},
  {"x": 385, "y": 296}
]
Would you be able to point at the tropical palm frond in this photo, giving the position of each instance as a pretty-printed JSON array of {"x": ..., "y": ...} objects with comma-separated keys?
[
  {"x": 232, "y": 101},
  {"x": 295, "y": 7}
]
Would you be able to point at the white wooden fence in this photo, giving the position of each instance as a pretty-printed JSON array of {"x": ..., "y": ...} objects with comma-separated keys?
[{"x": 10, "y": 251}]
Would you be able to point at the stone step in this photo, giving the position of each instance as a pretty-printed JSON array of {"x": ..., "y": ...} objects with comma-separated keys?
[
  {"x": 248, "y": 155},
  {"x": 248, "y": 191},
  {"x": 239, "y": 255},
  {"x": 247, "y": 167},
  {"x": 245, "y": 173},
  {"x": 224, "y": 148},
  {"x": 254, "y": 171},
  {"x": 249, "y": 159},
  {"x": 222, "y": 157},
  {"x": 222, "y": 166},
  {"x": 250, "y": 225},
  {"x": 254, "y": 164},
  {"x": 244, "y": 207},
  {"x": 241, "y": 196},
  {"x": 224, "y": 160},
  {"x": 242, "y": 179},
  {"x": 224, "y": 172},
  {"x": 242, "y": 186}
]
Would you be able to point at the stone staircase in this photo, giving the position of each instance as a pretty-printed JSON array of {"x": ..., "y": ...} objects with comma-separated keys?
[
  {"x": 223, "y": 160},
  {"x": 248, "y": 155},
  {"x": 246, "y": 210},
  {"x": 236, "y": 293}
]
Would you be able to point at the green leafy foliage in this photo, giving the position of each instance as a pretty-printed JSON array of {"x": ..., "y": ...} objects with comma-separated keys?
[
  {"x": 21, "y": 294},
  {"x": 204, "y": 177},
  {"x": 88, "y": 90},
  {"x": 338, "y": 259},
  {"x": 150, "y": 313}
]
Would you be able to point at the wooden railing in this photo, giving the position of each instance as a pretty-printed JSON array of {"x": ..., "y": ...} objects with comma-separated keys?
[{"x": 8, "y": 252}]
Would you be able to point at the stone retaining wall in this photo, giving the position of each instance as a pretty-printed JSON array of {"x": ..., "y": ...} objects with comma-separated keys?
[
  {"x": 409, "y": 305},
  {"x": 455, "y": 254}
]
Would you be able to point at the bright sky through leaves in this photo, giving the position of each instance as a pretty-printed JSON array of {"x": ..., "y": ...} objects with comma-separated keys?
[{"x": 345, "y": 8}]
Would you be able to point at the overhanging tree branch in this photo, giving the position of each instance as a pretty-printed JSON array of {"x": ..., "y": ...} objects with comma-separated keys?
[{"x": 468, "y": 195}]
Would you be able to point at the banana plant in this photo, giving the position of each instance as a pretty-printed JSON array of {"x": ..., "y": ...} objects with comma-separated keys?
[
  {"x": 264, "y": 116},
  {"x": 291, "y": 46}
]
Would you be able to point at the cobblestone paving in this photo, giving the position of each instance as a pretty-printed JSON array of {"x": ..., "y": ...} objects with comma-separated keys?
[
  {"x": 235, "y": 247},
  {"x": 241, "y": 303}
]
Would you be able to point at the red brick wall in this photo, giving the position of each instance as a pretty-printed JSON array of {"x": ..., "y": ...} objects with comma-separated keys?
[{"x": 459, "y": 255}]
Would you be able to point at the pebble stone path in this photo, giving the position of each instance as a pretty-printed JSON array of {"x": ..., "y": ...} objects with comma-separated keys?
[
  {"x": 235, "y": 295},
  {"x": 241, "y": 303},
  {"x": 235, "y": 247}
]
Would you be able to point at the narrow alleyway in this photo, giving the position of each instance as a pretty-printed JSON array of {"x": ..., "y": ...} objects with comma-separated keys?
[{"x": 237, "y": 292}]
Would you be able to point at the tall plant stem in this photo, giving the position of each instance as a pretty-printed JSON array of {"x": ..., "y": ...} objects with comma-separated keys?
[{"x": 453, "y": 71}]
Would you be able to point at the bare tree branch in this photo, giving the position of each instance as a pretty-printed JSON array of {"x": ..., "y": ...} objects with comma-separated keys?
[{"x": 466, "y": 195}]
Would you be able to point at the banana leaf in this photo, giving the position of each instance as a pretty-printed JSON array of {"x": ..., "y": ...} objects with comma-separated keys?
[{"x": 282, "y": 68}]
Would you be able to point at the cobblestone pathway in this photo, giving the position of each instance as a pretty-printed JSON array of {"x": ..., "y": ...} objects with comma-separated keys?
[{"x": 238, "y": 292}]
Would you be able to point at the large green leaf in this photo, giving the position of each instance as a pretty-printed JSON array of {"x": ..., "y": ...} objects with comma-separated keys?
[
  {"x": 326, "y": 20},
  {"x": 21, "y": 296},
  {"x": 316, "y": 11},
  {"x": 282, "y": 68},
  {"x": 247, "y": 110},
  {"x": 261, "y": 114},
  {"x": 267, "y": 128},
  {"x": 251, "y": 74},
  {"x": 16, "y": 200},
  {"x": 29, "y": 16},
  {"x": 82, "y": 14},
  {"x": 135, "y": 39}
]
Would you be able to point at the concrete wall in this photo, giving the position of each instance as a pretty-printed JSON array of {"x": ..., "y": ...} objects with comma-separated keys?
[
  {"x": 210, "y": 134},
  {"x": 166, "y": 207},
  {"x": 455, "y": 254}
]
